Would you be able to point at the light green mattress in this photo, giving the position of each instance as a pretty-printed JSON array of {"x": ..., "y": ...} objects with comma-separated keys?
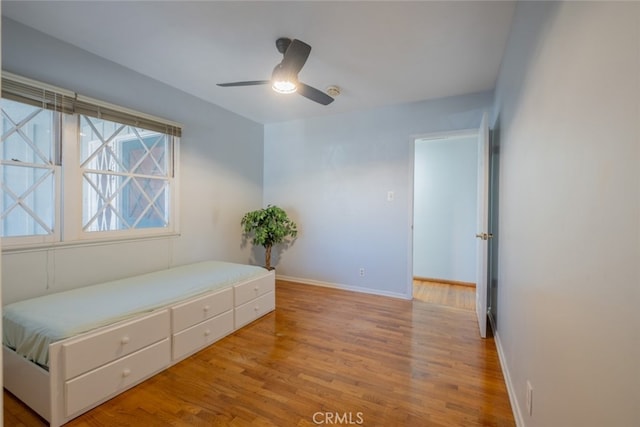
[{"x": 30, "y": 326}]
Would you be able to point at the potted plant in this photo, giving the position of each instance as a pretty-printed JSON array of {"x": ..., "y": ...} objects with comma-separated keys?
[{"x": 269, "y": 226}]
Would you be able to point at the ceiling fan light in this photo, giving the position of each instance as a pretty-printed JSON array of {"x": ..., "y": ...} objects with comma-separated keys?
[
  {"x": 284, "y": 86},
  {"x": 283, "y": 81}
]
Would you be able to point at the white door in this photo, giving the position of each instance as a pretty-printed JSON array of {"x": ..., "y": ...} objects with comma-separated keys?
[{"x": 483, "y": 225}]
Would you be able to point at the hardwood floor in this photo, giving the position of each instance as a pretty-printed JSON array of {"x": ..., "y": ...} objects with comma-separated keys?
[
  {"x": 452, "y": 295},
  {"x": 324, "y": 357}
]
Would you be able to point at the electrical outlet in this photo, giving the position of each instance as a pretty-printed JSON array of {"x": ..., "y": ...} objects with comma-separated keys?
[
  {"x": 361, "y": 271},
  {"x": 529, "y": 399},
  {"x": 390, "y": 196}
]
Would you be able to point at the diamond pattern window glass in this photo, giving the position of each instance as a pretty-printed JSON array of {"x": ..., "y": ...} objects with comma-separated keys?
[
  {"x": 75, "y": 169},
  {"x": 126, "y": 176},
  {"x": 27, "y": 150}
]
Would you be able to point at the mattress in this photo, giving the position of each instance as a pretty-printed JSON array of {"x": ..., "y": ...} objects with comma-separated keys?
[{"x": 29, "y": 326}]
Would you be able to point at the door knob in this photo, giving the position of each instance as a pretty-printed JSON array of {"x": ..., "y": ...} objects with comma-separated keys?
[{"x": 484, "y": 236}]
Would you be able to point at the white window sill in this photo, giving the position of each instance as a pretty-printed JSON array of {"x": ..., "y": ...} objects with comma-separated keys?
[{"x": 80, "y": 243}]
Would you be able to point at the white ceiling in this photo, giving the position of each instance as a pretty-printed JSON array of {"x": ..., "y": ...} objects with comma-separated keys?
[{"x": 378, "y": 53}]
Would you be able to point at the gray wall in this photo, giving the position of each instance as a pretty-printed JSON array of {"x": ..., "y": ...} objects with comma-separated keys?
[
  {"x": 445, "y": 209},
  {"x": 333, "y": 174},
  {"x": 568, "y": 97},
  {"x": 221, "y": 170}
]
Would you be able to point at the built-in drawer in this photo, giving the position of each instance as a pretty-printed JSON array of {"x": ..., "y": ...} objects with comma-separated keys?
[
  {"x": 253, "y": 289},
  {"x": 109, "y": 380},
  {"x": 107, "y": 344},
  {"x": 202, "y": 308},
  {"x": 202, "y": 335},
  {"x": 252, "y": 310}
]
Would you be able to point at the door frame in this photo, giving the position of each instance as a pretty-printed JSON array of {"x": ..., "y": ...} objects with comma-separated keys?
[
  {"x": 412, "y": 165},
  {"x": 494, "y": 224},
  {"x": 411, "y": 169}
]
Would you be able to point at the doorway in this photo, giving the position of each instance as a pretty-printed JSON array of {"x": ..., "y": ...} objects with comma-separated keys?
[
  {"x": 444, "y": 210},
  {"x": 457, "y": 233}
]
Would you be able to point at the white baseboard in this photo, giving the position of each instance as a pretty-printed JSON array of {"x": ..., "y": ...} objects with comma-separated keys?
[
  {"x": 343, "y": 287},
  {"x": 517, "y": 413}
]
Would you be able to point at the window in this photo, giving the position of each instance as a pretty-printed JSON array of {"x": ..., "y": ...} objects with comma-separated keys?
[
  {"x": 126, "y": 176},
  {"x": 89, "y": 168},
  {"x": 29, "y": 136}
]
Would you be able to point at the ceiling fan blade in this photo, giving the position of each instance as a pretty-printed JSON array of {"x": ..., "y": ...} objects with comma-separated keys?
[
  {"x": 249, "y": 83},
  {"x": 314, "y": 94},
  {"x": 295, "y": 56}
]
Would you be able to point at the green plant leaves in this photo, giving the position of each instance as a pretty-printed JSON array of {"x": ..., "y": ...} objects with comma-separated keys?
[{"x": 269, "y": 226}]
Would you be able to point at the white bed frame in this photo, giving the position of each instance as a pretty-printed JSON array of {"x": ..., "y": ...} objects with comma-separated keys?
[{"x": 91, "y": 368}]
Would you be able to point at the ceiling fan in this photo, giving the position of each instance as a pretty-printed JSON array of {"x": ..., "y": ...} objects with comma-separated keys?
[{"x": 284, "y": 78}]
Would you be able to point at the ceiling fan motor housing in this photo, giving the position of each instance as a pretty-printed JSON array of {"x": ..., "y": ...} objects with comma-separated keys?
[{"x": 282, "y": 44}]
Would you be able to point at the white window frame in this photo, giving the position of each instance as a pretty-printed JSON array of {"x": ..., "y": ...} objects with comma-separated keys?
[
  {"x": 43, "y": 239},
  {"x": 72, "y": 224},
  {"x": 68, "y": 177}
]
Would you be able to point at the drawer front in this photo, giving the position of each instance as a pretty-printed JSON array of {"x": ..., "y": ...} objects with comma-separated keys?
[
  {"x": 253, "y": 289},
  {"x": 109, "y": 380},
  {"x": 252, "y": 310},
  {"x": 202, "y": 335},
  {"x": 106, "y": 345},
  {"x": 202, "y": 308}
]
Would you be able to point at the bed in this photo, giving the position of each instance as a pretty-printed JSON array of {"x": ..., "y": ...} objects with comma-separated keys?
[{"x": 67, "y": 352}]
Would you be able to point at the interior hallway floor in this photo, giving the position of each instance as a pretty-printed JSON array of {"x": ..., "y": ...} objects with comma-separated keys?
[{"x": 447, "y": 294}]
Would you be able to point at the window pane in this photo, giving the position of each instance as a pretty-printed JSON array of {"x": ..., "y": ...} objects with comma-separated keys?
[
  {"x": 126, "y": 176},
  {"x": 147, "y": 154},
  {"x": 27, "y": 133},
  {"x": 146, "y": 203},
  {"x": 101, "y": 197},
  {"x": 118, "y": 148},
  {"x": 28, "y": 174},
  {"x": 28, "y": 204}
]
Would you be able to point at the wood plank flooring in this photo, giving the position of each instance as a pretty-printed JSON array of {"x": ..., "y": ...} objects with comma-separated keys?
[
  {"x": 452, "y": 295},
  {"x": 324, "y": 357}
]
